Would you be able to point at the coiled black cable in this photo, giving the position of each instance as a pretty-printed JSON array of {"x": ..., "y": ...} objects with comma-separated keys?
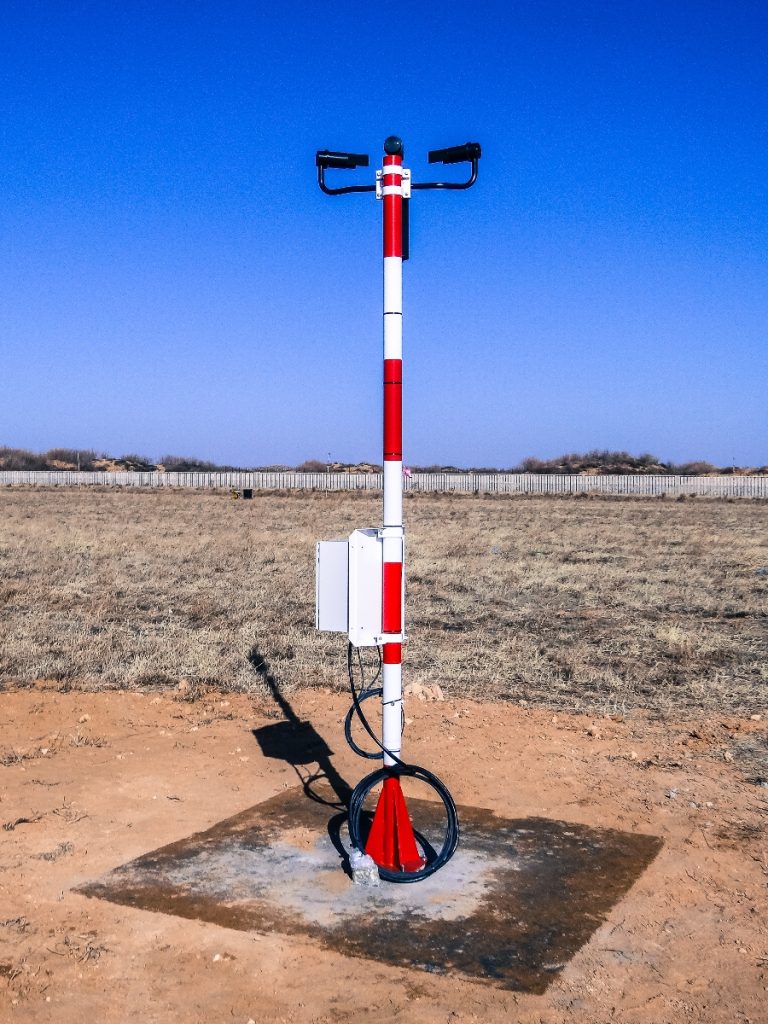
[{"x": 435, "y": 859}]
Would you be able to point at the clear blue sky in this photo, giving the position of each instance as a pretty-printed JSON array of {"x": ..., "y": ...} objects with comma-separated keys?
[{"x": 172, "y": 280}]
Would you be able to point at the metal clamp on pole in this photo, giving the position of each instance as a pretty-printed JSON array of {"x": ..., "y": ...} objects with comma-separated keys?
[
  {"x": 325, "y": 159},
  {"x": 470, "y": 153}
]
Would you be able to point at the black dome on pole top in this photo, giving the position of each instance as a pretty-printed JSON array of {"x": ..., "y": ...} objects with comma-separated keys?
[{"x": 393, "y": 145}]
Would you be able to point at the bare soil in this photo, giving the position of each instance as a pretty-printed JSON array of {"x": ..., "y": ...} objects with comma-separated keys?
[{"x": 91, "y": 780}]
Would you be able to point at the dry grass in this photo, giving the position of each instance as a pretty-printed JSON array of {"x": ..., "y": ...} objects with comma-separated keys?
[{"x": 593, "y": 604}]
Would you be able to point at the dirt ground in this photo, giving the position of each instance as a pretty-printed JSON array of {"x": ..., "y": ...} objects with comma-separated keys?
[{"x": 91, "y": 780}]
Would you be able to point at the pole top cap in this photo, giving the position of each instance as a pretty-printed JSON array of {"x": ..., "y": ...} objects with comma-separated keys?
[{"x": 393, "y": 146}]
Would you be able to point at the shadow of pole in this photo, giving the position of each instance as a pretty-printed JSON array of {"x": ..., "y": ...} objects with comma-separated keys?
[{"x": 298, "y": 743}]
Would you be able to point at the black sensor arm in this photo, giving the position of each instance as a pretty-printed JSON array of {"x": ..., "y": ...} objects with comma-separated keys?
[
  {"x": 325, "y": 159},
  {"x": 470, "y": 152}
]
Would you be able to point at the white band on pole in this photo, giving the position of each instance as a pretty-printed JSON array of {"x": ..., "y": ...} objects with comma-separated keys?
[
  {"x": 393, "y": 284},
  {"x": 393, "y": 494},
  {"x": 392, "y": 710},
  {"x": 393, "y": 335}
]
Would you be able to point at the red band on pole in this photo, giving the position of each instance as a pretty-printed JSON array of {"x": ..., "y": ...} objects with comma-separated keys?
[
  {"x": 393, "y": 226},
  {"x": 392, "y": 654},
  {"x": 392, "y": 598},
  {"x": 393, "y": 410},
  {"x": 393, "y": 419},
  {"x": 393, "y": 371},
  {"x": 393, "y": 211}
]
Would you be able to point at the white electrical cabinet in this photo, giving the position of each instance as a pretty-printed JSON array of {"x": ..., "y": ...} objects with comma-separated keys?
[
  {"x": 348, "y": 587},
  {"x": 365, "y": 586},
  {"x": 332, "y": 586}
]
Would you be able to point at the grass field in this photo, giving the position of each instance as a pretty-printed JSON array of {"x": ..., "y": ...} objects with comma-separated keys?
[{"x": 601, "y": 605}]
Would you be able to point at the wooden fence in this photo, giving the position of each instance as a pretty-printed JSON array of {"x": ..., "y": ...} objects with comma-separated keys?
[{"x": 490, "y": 483}]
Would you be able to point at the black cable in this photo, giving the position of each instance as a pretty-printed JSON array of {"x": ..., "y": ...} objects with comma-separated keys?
[
  {"x": 375, "y": 755},
  {"x": 438, "y": 858},
  {"x": 366, "y": 691},
  {"x": 435, "y": 859},
  {"x": 358, "y": 698}
]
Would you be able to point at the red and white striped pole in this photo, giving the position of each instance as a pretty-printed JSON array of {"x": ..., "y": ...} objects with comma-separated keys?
[
  {"x": 391, "y": 842},
  {"x": 393, "y": 538}
]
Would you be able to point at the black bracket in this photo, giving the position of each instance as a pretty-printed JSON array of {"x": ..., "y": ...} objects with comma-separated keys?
[
  {"x": 325, "y": 159},
  {"x": 470, "y": 152}
]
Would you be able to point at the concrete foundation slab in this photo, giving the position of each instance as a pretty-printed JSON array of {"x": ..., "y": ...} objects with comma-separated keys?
[{"x": 512, "y": 907}]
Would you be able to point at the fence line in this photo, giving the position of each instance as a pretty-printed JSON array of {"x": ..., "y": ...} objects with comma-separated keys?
[{"x": 490, "y": 483}]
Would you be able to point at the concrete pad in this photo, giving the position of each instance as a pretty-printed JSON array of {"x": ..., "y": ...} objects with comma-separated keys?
[{"x": 514, "y": 904}]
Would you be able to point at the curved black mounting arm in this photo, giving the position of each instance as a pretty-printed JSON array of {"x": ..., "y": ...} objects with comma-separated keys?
[
  {"x": 470, "y": 152},
  {"x": 325, "y": 159}
]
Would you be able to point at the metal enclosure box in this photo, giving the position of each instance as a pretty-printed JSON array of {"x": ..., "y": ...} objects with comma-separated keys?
[
  {"x": 332, "y": 586},
  {"x": 348, "y": 587},
  {"x": 365, "y": 586}
]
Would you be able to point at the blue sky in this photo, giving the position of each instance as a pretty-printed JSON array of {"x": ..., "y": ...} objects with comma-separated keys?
[{"x": 172, "y": 280}]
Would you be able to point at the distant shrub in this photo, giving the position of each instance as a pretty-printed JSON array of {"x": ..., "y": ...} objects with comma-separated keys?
[
  {"x": 531, "y": 465},
  {"x": 694, "y": 469},
  {"x": 82, "y": 458},
  {"x": 599, "y": 460},
  {"x": 136, "y": 463},
  {"x": 312, "y": 466},
  {"x": 20, "y": 458},
  {"x": 187, "y": 464}
]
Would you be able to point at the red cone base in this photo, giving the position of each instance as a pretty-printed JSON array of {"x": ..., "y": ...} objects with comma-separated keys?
[{"x": 391, "y": 841}]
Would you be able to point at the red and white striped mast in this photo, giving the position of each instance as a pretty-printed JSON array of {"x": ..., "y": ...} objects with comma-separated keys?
[
  {"x": 393, "y": 588},
  {"x": 391, "y": 840}
]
